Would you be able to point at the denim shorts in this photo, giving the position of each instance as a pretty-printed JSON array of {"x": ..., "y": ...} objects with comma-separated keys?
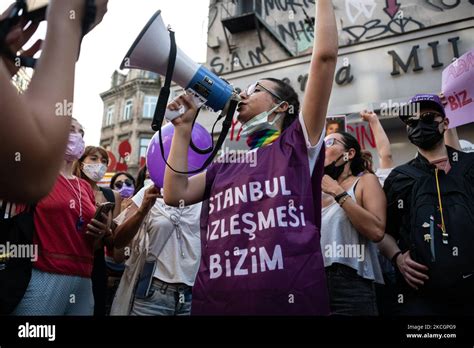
[
  {"x": 349, "y": 293},
  {"x": 164, "y": 299}
]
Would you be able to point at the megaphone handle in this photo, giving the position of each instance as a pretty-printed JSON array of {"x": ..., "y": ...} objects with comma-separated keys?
[
  {"x": 172, "y": 114},
  {"x": 225, "y": 129}
]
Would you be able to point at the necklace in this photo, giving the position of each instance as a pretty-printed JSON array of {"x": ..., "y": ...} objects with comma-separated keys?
[
  {"x": 80, "y": 219},
  {"x": 175, "y": 219}
]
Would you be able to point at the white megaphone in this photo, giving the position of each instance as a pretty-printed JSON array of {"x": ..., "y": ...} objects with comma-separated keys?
[{"x": 150, "y": 52}]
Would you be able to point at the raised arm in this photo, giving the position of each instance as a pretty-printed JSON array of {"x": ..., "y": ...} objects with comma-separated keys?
[
  {"x": 381, "y": 140},
  {"x": 451, "y": 139},
  {"x": 321, "y": 70},
  {"x": 34, "y": 134}
]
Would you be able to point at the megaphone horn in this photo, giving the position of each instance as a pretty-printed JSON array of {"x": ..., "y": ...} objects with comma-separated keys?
[{"x": 150, "y": 52}]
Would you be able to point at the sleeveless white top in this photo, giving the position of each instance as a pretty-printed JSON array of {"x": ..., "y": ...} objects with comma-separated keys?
[{"x": 341, "y": 243}]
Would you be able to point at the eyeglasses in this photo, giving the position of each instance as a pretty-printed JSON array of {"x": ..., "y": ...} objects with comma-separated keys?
[
  {"x": 257, "y": 87},
  {"x": 427, "y": 117},
  {"x": 332, "y": 141},
  {"x": 119, "y": 184}
]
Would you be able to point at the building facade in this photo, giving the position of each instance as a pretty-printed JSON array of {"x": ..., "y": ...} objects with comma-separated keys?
[
  {"x": 129, "y": 106},
  {"x": 389, "y": 51}
]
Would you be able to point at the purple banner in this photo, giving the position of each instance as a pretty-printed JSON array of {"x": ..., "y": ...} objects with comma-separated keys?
[{"x": 261, "y": 252}]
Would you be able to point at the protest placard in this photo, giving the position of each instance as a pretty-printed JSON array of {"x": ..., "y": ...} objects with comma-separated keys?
[{"x": 458, "y": 88}]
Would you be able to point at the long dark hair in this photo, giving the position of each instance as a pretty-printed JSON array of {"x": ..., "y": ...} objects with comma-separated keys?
[
  {"x": 116, "y": 175},
  {"x": 288, "y": 94},
  {"x": 361, "y": 162}
]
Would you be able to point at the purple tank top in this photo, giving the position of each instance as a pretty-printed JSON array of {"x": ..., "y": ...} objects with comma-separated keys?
[{"x": 260, "y": 235}]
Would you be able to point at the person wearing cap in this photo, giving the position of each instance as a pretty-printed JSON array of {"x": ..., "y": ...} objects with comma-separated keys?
[{"x": 429, "y": 218}]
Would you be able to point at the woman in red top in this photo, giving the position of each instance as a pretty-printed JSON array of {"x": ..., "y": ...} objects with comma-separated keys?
[
  {"x": 92, "y": 167},
  {"x": 65, "y": 236}
]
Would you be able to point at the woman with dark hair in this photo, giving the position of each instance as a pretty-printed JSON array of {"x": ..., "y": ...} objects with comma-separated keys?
[
  {"x": 261, "y": 220},
  {"x": 124, "y": 184},
  {"x": 353, "y": 217},
  {"x": 92, "y": 167}
]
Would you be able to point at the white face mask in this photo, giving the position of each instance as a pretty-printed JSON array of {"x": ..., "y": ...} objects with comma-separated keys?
[
  {"x": 260, "y": 122},
  {"x": 95, "y": 171},
  {"x": 148, "y": 182}
]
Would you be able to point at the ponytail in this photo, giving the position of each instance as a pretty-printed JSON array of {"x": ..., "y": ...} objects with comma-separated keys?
[
  {"x": 362, "y": 161},
  {"x": 288, "y": 94}
]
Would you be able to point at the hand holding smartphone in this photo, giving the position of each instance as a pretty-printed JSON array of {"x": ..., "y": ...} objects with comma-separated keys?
[
  {"x": 104, "y": 208},
  {"x": 99, "y": 226}
]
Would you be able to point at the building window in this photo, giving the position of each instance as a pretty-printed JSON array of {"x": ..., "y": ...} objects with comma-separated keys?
[
  {"x": 152, "y": 75},
  {"x": 248, "y": 6},
  {"x": 109, "y": 119},
  {"x": 143, "y": 146},
  {"x": 127, "y": 110},
  {"x": 149, "y": 106}
]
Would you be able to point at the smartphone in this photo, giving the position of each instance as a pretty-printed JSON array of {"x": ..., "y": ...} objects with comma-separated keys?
[
  {"x": 103, "y": 208},
  {"x": 145, "y": 279}
]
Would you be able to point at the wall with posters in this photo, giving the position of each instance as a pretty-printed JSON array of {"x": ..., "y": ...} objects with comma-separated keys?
[{"x": 389, "y": 51}]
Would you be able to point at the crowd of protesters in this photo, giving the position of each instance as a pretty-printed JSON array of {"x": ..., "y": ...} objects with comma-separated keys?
[{"x": 358, "y": 241}]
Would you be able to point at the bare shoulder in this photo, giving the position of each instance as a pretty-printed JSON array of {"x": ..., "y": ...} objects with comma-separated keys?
[{"x": 369, "y": 180}]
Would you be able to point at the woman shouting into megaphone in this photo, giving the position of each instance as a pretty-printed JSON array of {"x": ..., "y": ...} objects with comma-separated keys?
[{"x": 260, "y": 223}]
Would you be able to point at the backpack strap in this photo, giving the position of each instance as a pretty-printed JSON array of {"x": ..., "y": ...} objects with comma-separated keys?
[
  {"x": 463, "y": 165},
  {"x": 108, "y": 193}
]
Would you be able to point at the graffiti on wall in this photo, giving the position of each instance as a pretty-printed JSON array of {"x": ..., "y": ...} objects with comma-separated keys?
[
  {"x": 235, "y": 61},
  {"x": 356, "y": 8},
  {"x": 361, "y": 20},
  {"x": 286, "y": 5},
  {"x": 296, "y": 31}
]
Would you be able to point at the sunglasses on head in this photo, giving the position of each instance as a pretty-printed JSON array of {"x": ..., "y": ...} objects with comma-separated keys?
[
  {"x": 426, "y": 117},
  {"x": 332, "y": 141},
  {"x": 119, "y": 184},
  {"x": 257, "y": 87}
]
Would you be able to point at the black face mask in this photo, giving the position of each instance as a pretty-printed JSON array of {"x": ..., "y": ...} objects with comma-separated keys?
[
  {"x": 334, "y": 171},
  {"x": 425, "y": 135}
]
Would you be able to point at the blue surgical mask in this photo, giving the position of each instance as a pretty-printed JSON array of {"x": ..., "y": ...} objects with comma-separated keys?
[{"x": 260, "y": 122}]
